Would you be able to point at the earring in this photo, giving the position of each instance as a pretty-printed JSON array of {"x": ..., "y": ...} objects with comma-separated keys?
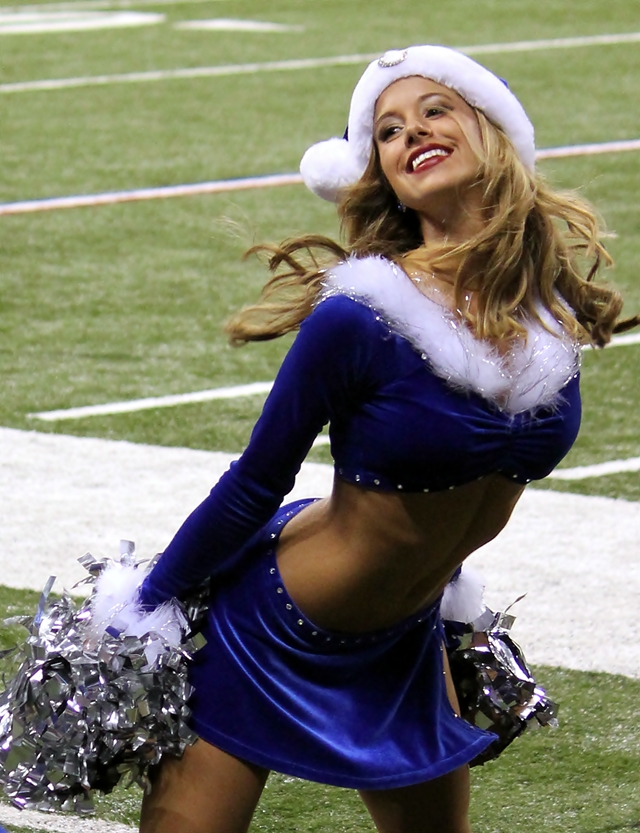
[{"x": 401, "y": 207}]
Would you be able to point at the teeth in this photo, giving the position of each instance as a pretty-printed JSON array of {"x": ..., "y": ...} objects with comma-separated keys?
[{"x": 428, "y": 154}]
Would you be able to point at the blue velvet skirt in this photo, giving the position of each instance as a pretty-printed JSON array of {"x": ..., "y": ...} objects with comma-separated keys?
[{"x": 367, "y": 711}]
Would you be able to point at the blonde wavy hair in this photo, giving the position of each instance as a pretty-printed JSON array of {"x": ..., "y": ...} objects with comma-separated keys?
[{"x": 538, "y": 246}]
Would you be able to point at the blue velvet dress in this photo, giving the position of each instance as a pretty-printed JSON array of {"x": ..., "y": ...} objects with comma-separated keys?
[{"x": 368, "y": 711}]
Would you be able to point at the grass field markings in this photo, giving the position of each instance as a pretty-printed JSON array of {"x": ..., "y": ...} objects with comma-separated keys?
[
  {"x": 246, "y": 183},
  {"x": 230, "y": 392},
  {"x": 223, "y": 24},
  {"x": 302, "y": 64},
  {"x": 26, "y": 23},
  {"x": 631, "y": 464},
  {"x": 141, "y": 194},
  {"x": 551, "y": 43},
  {"x": 33, "y": 820},
  {"x": 251, "y": 389},
  {"x": 588, "y": 149},
  {"x": 185, "y": 73},
  {"x": 100, "y": 4}
]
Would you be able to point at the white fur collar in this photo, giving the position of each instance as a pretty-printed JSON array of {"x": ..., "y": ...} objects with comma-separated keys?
[{"x": 527, "y": 378}]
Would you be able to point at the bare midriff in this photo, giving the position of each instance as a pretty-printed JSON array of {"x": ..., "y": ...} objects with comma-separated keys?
[{"x": 361, "y": 560}]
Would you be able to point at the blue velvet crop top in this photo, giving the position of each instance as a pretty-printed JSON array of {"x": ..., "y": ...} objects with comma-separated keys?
[{"x": 400, "y": 419}]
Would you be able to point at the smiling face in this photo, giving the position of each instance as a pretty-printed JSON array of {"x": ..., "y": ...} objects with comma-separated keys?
[{"x": 425, "y": 135}]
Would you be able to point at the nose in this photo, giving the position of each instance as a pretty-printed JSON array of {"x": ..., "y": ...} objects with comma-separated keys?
[{"x": 416, "y": 130}]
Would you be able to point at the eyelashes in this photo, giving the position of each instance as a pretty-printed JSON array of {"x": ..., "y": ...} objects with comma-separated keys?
[{"x": 388, "y": 131}]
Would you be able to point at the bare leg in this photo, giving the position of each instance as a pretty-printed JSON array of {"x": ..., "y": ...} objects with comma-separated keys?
[
  {"x": 206, "y": 791},
  {"x": 438, "y": 806},
  {"x": 451, "y": 689}
]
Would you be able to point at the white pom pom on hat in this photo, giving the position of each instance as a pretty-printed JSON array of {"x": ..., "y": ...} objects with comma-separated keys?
[{"x": 330, "y": 166}]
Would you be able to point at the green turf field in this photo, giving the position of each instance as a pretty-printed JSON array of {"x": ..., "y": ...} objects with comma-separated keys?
[{"x": 113, "y": 303}]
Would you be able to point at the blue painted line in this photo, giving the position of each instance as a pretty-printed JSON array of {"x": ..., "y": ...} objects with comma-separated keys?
[{"x": 245, "y": 183}]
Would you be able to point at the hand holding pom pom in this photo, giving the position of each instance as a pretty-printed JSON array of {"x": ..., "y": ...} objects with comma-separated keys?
[
  {"x": 101, "y": 692},
  {"x": 115, "y": 607}
]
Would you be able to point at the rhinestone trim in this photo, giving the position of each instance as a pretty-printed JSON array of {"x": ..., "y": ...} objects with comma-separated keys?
[{"x": 392, "y": 58}]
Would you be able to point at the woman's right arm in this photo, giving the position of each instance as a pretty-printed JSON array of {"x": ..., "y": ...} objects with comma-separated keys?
[{"x": 325, "y": 371}]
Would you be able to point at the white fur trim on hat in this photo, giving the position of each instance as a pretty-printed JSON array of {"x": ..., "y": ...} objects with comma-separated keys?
[{"x": 330, "y": 166}]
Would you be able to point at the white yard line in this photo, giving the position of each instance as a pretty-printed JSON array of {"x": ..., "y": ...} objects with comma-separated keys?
[
  {"x": 252, "y": 389},
  {"x": 226, "y": 24},
  {"x": 26, "y": 22},
  {"x": 269, "y": 181},
  {"x": 302, "y": 64},
  {"x": 59, "y": 823},
  {"x": 142, "y": 194},
  {"x": 597, "y": 469},
  {"x": 30, "y": 23},
  {"x": 232, "y": 392},
  {"x": 550, "y": 43},
  {"x": 98, "y": 4},
  {"x": 188, "y": 72},
  {"x": 235, "y": 392},
  {"x": 588, "y": 149}
]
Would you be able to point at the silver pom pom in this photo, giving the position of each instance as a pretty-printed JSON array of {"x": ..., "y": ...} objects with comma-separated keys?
[
  {"x": 494, "y": 684},
  {"x": 89, "y": 706}
]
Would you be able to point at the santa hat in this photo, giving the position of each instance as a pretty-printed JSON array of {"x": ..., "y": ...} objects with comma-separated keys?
[{"x": 330, "y": 166}]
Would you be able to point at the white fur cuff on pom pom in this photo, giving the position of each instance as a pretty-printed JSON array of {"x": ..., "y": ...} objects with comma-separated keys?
[
  {"x": 115, "y": 606},
  {"x": 328, "y": 167},
  {"x": 462, "y": 600}
]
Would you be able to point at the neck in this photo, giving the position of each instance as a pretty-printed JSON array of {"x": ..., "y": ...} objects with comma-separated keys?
[
  {"x": 452, "y": 222},
  {"x": 420, "y": 263}
]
